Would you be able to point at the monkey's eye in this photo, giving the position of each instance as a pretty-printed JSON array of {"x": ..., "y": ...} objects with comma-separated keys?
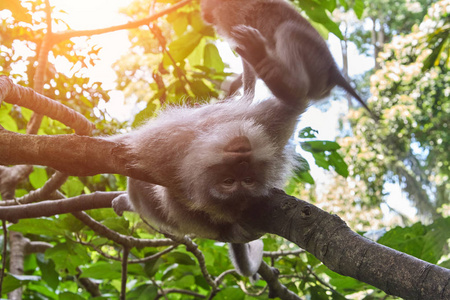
[
  {"x": 248, "y": 181},
  {"x": 228, "y": 181}
]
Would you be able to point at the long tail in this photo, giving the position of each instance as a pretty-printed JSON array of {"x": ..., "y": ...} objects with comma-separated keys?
[
  {"x": 340, "y": 81},
  {"x": 247, "y": 257}
]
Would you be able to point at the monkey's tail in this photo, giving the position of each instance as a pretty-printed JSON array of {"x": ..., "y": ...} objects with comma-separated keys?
[
  {"x": 340, "y": 81},
  {"x": 247, "y": 257}
]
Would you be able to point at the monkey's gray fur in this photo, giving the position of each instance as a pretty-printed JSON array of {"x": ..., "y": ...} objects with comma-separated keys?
[
  {"x": 213, "y": 161},
  {"x": 288, "y": 47}
]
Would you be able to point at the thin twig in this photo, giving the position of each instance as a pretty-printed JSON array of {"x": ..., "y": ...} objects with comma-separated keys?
[
  {"x": 70, "y": 34},
  {"x": 179, "y": 291},
  {"x": 123, "y": 287},
  {"x": 5, "y": 244},
  {"x": 120, "y": 238},
  {"x": 276, "y": 254},
  {"x": 193, "y": 248}
]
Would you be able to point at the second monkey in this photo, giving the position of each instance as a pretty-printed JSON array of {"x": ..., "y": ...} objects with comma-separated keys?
[{"x": 282, "y": 42}]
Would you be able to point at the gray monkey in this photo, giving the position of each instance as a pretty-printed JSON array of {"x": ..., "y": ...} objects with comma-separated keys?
[
  {"x": 213, "y": 163},
  {"x": 290, "y": 51}
]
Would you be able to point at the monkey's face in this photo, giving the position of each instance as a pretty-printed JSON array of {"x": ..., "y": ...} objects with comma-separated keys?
[
  {"x": 237, "y": 174},
  {"x": 237, "y": 179},
  {"x": 227, "y": 167}
]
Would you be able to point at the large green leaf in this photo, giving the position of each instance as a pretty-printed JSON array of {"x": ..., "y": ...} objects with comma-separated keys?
[
  {"x": 425, "y": 242},
  {"x": 10, "y": 283},
  {"x": 49, "y": 274},
  {"x": 41, "y": 226},
  {"x": 68, "y": 256},
  {"x": 180, "y": 258},
  {"x": 72, "y": 187},
  {"x": 312, "y": 146},
  {"x": 318, "y": 13},
  {"x": 359, "y": 8},
  {"x": 338, "y": 163},
  {"x": 143, "y": 292},
  {"x": 183, "y": 46},
  {"x": 38, "y": 177},
  {"x": 230, "y": 293},
  {"x": 103, "y": 270},
  {"x": 212, "y": 58}
]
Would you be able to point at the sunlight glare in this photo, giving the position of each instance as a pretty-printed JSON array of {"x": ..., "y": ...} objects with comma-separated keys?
[{"x": 94, "y": 14}]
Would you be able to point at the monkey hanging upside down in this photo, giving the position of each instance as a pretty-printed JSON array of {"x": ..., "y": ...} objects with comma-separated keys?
[
  {"x": 215, "y": 160},
  {"x": 284, "y": 48}
]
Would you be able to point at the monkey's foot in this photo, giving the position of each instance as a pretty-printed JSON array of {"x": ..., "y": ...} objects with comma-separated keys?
[
  {"x": 121, "y": 203},
  {"x": 251, "y": 45}
]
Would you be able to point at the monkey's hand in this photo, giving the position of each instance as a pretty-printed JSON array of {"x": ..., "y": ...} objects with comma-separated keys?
[
  {"x": 122, "y": 203},
  {"x": 251, "y": 45}
]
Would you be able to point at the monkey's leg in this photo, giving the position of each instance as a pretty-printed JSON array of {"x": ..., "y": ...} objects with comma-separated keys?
[
  {"x": 284, "y": 81},
  {"x": 247, "y": 258},
  {"x": 234, "y": 86},
  {"x": 249, "y": 81}
]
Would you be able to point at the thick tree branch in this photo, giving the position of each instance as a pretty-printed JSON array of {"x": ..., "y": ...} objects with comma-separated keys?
[
  {"x": 26, "y": 97},
  {"x": 328, "y": 238},
  {"x": 71, "y": 154}
]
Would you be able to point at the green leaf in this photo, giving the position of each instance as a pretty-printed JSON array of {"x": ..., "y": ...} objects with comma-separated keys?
[
  {"x": 200, "y": 89},
  {"x": 179, "y": 22},
  {"x": 344, "y": 4},
  {"x": 344, "y": 284},
  {"x": 152, "y": 266},
  {"x": 180, "y": 258},
  {"x": 117, "y": 224},
  {"x": 307, "y": 133},
  {"x": 145, "y": 114},
  {"x": 68, "y": 256},
  {"x": 321, "y": 160},
  {"x": 212, "y": 58},
  {"x": 70, "y": 296},
  {"x": 42, "y": 290},
  {"x": 359, "y": 8},
  {"x": 7, "y": 121},
  {"x": 143, "y": 292},
  {"x": 338, "y": 163},
  {"x": 320, "y": 146},
  {"x": 182, "y": 47},
  {"x": 103, "y": 270},
  {"x": 40, "y": 226},
  {"x": 10, "y": 283},
  {"x": 49, "y": 274},
  {"x": 424, "y": 242},
  {"x": 230, "y": 293},
  {"x": 305, "y": 177},
  {"x": 185, "y": 281},
  {"x": 318, "y": 14},
  {"x": 72, "y": 187},
  {"x": 38, "y": 177}
]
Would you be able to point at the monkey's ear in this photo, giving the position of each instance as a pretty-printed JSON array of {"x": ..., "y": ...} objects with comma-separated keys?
[{"x": 240, "y": 144}]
